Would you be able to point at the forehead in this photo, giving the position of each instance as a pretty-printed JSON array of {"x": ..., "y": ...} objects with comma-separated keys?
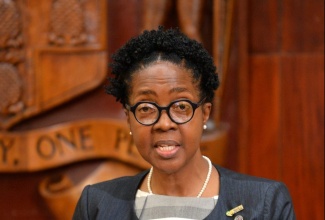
[{"x": 163, "y": 77}]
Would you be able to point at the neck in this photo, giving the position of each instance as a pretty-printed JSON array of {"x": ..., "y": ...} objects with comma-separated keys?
[{"x": 188, "y": 181}]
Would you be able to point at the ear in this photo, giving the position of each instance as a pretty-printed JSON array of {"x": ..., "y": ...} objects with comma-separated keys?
[
  {"x": 127, "y": 116},
  {"x": 206, "y": 109}
]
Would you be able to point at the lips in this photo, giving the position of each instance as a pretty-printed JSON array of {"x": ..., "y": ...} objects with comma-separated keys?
[{"x": 167, "y": 148}]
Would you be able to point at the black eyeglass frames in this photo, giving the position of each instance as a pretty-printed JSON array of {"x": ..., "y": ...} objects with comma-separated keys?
[{"x": 179, "y": 111}]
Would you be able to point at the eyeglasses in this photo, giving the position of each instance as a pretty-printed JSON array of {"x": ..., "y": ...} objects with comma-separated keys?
[{"x": 179, "y": 111}]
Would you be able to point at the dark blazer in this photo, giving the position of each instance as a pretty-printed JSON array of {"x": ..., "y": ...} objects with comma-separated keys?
[{"x": 261, "y": 198}]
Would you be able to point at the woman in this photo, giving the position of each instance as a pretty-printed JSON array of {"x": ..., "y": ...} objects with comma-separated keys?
[{"x": 166, "y": 83}]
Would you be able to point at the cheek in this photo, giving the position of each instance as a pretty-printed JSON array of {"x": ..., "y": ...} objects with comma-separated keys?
[
  {"x": 141, "y": 136},
  {"x": 192, "y": 132},
  {"x": 191, "y": 135}
]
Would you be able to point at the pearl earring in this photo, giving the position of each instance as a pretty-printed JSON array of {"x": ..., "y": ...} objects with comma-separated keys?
[
  {"x": 204, "y": 127},
  {"x": 130, "y": 133}
]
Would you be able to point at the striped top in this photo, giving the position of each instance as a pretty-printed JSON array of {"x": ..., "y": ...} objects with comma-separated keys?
[{"x": 160, "y": 207}]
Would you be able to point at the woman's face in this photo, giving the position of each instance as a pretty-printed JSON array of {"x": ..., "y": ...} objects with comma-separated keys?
[{"x": 166, "y": 145}]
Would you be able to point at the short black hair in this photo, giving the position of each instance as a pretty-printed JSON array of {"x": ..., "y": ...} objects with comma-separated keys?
[{"x": 168, "y": 45}]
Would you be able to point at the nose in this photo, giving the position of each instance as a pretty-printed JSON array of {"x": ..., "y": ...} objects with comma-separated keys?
[{"x": 164, "y": 122}]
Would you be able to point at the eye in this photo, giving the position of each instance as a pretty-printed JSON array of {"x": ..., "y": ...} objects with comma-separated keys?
[
  {"x": 182, "y": 106},
  {"x": 146, "y": 108}
]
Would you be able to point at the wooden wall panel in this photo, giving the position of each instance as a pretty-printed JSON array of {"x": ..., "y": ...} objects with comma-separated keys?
[
  {"x": 123, "y": 22},
  {"x": 263, "y": 31},
  {"x": 303, "y": 25},
  {"x": 282, "y": 52},
  {"x": 264, "y": 116},
  {"x": 303, "y": 132}
]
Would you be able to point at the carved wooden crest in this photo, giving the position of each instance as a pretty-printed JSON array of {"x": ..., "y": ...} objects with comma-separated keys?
[
  {"x": 48, "y": 56},
  {"x": 11, "y": 48}
]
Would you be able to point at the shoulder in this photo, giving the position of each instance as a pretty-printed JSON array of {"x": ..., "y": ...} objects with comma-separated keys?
[
  {"x": 107, "y": 199},
  {"x": 122, "y": 186},
  {"x": 260, "y": 196},
  {"x": 238, "y": 182},
  {"x": 239, "y": 178}
]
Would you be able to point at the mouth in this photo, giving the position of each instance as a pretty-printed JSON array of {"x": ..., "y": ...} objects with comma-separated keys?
[{"x": 167, "y": 149}]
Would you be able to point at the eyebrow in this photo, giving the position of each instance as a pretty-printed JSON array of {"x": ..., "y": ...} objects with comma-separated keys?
[
  {"x": 147, "y": 92},
  {"x": 178, "y": 89},
  {"x": 173, "y": 90}
]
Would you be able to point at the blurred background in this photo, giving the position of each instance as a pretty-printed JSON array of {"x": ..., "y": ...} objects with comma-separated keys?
[{"x": 59, "y": 130}]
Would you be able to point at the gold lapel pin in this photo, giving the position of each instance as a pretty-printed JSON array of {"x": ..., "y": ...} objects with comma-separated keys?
[{"x": 234, "y": 210}]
